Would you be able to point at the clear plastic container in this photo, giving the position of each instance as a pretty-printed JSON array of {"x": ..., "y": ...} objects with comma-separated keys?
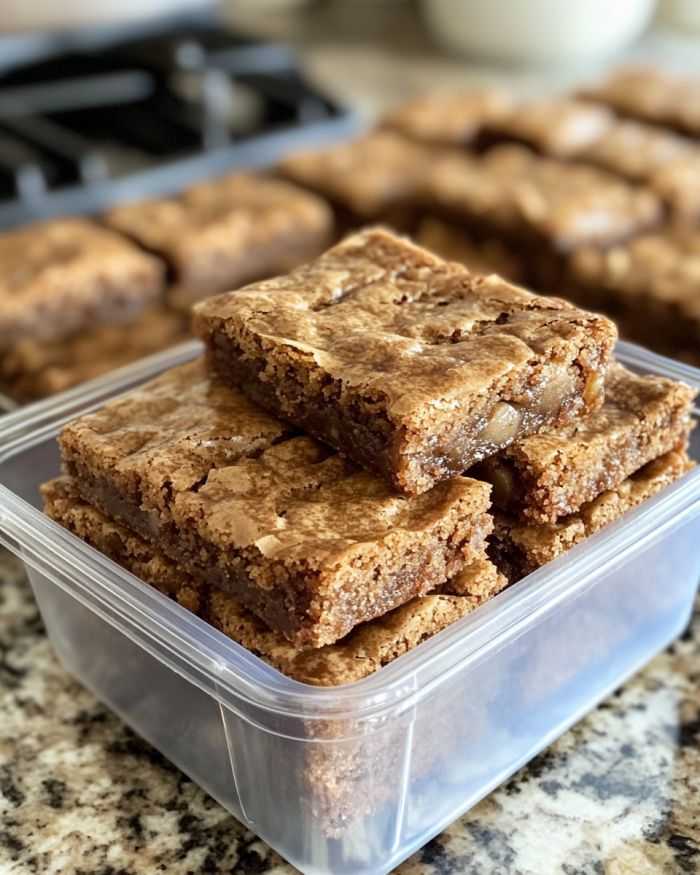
[{"x": 353, "y": 779}]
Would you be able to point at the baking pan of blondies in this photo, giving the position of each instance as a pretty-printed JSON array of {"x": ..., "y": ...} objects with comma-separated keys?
[{"x": 371, "y": 744}]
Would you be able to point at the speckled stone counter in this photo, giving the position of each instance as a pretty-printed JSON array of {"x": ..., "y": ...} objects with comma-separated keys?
[{"x": 80, "y": 794}]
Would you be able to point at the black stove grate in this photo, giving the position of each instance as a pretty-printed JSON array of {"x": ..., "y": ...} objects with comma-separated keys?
[{"x": 147, "y": 115}]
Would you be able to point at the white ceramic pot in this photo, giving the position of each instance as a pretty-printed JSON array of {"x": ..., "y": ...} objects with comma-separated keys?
[{"x": 537, "y": 31}]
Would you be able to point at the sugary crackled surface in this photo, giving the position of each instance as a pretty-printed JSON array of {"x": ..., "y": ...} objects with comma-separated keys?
[
  {"x": 390, "y": 319},
  {"x": 367, "y": 176},
  {"x": 454, "y": 244},
  {"x": 32, "y": 369},
  {"x": 523, "y": 193},
  {"x": 298, "y": 503},
  {"x": 448, "y": 118},
  {"x": 165, "y": 436},
  {"x": 664, "y": 267},
  {"x": 642, "y": 418},
  {"x": 540, "y": 544},
  {"x": 651, "y": 94},
  {"x": 362, "y": 652},
  {"x": 208, "y": 458},
  {"x": 636, "y": 150},
  {"x": 80, "y": 791},
  {"x": 54, "y": 275},
  {"x": 556, "y": 126},
  {"x": 224, "y": 220}
]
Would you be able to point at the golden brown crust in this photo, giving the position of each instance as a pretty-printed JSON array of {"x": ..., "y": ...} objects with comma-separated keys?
[
  {"x": 59, "y": 277},
  {"x": 167, "y": 435}
]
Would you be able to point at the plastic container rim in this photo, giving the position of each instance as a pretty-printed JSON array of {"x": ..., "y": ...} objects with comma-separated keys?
[{"x": 235, "y": 676}]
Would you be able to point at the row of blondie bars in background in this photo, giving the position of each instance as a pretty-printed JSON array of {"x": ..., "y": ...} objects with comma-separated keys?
[
  {"x": 374, "y": 444},
  {"x": 594, "y": 197}
]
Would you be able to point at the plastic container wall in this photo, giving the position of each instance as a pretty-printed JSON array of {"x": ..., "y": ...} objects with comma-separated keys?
[{"x": 354, "y": 779}]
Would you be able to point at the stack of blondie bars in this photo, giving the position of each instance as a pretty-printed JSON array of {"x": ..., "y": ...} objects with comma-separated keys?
[{"x": 373, "y": 445}]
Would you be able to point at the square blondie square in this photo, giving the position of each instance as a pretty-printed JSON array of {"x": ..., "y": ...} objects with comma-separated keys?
[
  {"x": 341, "y": 776},
  {"x": 448, "y": 118},
  {"x": 551, "y": 475},
  {"x": 60, "y": 277},
  {"x": 519, "y": 548},
  {"x": 379, "y": 177},
  {"x": 637, "y": 150},
  {"x": 409, "y": 365},
  {"x": 366, "y": 649},
  {"x": 651, "y": 95},
  {"x": 649, "y": 285},
  {"x": 229, "y": 231},
  {"x": 33, "y": 369},
  {"x": 304, "y": 539},
  {"x": 556, "y": 126},
  {"x": 540, "y": 202}
]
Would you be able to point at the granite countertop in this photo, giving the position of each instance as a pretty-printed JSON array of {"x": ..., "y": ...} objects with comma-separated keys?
[{"x": 80, "y": 794}]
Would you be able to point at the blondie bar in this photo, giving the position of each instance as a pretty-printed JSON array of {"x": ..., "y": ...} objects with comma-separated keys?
[
  {"x": 59, "y": 277},
  {"x": 32, "y": 369},
  {"x": 677, "y": 183},
  {"x": 519, "y": 548},
  {"x": 527, "y": 198},
  {"x": 551, "y": 475},
  {"x": 448, "y": 119},
  {"x": 379, "y": 177},
  {"x": 588, "y": 133},
  {"x": 410, "y": 365},
  {"x": 636, "y": 150},
  {"x": 306, "y": 541},
  {"x": 556, "y": 126},
  {"x": 651, "y": 95},
  {"x": 650, "y": 286},
  {"x": 366, "y": 649},
  {"x": 223, "y": 233},
  {"x": 541, "y": 208}
]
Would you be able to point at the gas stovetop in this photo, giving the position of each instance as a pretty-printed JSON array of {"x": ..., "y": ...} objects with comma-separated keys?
[{"x": 85, "y": 126}]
